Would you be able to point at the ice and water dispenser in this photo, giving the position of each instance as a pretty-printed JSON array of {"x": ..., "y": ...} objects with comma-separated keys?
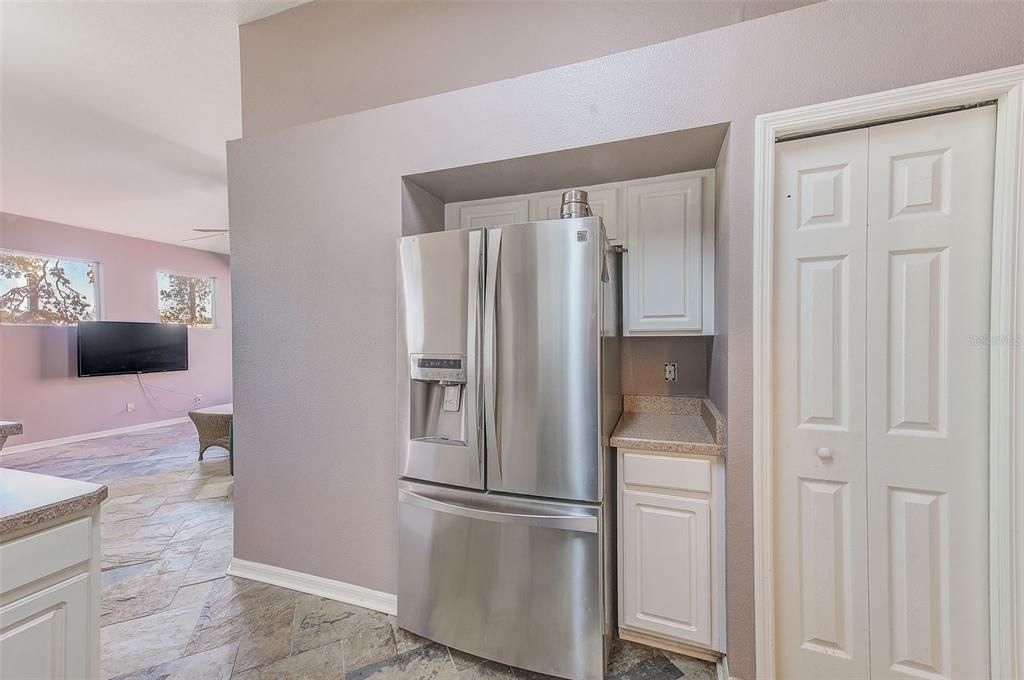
[{"x": 436, "y": 396}]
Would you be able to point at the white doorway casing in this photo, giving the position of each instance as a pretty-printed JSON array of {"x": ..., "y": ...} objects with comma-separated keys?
[{"x": 1006, "y": 451}]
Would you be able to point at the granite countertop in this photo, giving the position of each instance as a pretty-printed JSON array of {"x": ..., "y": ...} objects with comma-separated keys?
[
  {"x": 27, "y": 499},
  {"x": 670, "y": 425}
]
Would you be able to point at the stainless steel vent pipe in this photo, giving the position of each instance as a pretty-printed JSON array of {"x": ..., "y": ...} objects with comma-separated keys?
[{"x": 575, "y": 204}]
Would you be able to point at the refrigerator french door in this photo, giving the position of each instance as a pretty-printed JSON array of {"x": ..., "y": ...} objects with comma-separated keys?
[{"x": 508, "y": 381}]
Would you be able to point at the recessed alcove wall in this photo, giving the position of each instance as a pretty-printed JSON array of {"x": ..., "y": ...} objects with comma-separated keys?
[{"x": 425, "y": 194}]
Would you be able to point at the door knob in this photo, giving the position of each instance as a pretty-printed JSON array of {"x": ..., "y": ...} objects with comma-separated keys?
[{"x": 825, "y": 453}]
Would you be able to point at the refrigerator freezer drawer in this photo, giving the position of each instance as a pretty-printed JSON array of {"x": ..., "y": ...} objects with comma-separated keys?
[{"x": 512, "y": 580}]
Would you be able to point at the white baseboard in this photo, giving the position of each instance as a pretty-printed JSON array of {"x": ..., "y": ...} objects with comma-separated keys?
[
  {"x": 315, "y": 585},
  {"x": 90, "y": 435}
]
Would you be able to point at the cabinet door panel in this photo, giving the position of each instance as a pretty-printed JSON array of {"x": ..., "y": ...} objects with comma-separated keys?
[
  {"x": 46, "y": 634},
  {"x": 666, "y": 555},
  {"x": 604, "y": 203},
  {"x": 494, "y": 214},
  {"x": 664, "y": 260}
]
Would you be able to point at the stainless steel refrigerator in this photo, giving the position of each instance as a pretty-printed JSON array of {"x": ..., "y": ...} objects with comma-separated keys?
[{"x": 508, "y": 392}]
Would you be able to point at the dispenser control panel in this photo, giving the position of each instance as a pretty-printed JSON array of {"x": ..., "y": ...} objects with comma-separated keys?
[{"x": 449, "y": 368}]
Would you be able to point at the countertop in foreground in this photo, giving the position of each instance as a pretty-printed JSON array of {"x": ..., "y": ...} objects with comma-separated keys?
[{"x": 27, "y": 499}]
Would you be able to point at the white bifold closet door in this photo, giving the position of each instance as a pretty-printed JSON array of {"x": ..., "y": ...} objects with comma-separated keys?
[{"x": 880, "y": 415}]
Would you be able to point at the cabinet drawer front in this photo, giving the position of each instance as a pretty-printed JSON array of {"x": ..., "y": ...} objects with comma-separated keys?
[
  {"x": 681, "y": 474},
  {"x": 36, "y": 556}
]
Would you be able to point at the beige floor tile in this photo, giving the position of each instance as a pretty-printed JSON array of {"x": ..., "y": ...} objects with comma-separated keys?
[
  {"x": 213, "y": 664},
  {"x": 322, "y": 663},
  {"x": 218, "y": 488},
  {"x": 151, "y": 640}
]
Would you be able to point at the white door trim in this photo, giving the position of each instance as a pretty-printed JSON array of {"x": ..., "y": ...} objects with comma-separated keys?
[{"x": 1006, "y": 450}]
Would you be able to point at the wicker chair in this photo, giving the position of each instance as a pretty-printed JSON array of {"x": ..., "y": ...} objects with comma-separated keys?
[{"x": 214, "y": 427}]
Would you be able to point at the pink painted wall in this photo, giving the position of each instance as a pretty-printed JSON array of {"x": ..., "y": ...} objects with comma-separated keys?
[{"x": 38, "y": 365}]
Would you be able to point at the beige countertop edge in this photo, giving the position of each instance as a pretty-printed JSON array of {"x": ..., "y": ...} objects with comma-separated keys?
[
  {"x": 714, "y": 421},
  {"x": 669, "y": 448},
  {"x": 47, "y": 513},
  {"x": 28, "y": 499}
]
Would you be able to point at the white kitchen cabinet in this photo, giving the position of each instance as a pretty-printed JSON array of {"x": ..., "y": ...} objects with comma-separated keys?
[
  {"x": 603, "y": 202},
  {"x": 671, "y": 530},
  {"x": 49, "y": 601},
  {"x": 666, "y": 555},
  {"x": 46, "y": 633},
  {"x": 491, "y": 213},
  {"x": 666, "y": 224},
  {"x": 669, "y": 260}
]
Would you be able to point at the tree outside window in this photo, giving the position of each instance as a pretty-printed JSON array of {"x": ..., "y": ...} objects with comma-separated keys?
[
  {"x": 46, "y": 289},
  {"x": 186, "y": 299}
]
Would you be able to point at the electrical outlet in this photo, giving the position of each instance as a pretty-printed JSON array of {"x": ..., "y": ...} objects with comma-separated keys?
[
  {"x": 197, "y": 399},
  {"x": 130, "y": 407},
  {"x": 671, "y": 371}
]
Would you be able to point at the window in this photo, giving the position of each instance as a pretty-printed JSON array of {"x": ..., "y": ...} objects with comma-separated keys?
[
  {"x": 186, "y": 299},
  {"x": 46, "y": 289}
]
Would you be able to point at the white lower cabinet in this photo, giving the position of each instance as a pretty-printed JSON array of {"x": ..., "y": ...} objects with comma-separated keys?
[
  {"x": 46, "y": 634},
  {"x": 670, "y": 532},
  {"x": 666, "y": 555},
  {"x": 49, "y": 602}
]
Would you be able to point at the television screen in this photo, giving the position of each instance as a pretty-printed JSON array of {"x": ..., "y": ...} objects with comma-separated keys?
[{"x": 118, "y": 347}]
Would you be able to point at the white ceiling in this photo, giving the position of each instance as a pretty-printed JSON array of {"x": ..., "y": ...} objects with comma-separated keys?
[{"x": 115, "y": 114}]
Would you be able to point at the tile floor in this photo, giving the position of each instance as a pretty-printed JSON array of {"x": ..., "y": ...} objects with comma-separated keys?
[{"x": 169, "y": 611}]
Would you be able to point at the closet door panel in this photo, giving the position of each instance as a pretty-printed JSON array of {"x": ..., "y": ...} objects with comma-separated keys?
[
  {"x": 821, "y": 623},
  {"x": 928, "y": 287}
]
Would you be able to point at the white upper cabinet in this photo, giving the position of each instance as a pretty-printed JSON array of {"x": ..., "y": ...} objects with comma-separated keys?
[
  {"x": 667, "y": 227},
  {"x": 669, "y": 263},
  {"x": 603, "y": 202},
  {"x": 488, "y": 213}
]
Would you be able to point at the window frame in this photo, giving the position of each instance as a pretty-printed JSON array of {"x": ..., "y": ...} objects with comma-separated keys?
[
  {"x": 213, "y": 297},
  {"x": 98, "y": 305}
]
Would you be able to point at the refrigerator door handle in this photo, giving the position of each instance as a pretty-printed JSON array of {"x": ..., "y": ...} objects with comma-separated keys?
[
  {"x": 490, "y": 348},
  {"x": 567, "y": 522},
  {"x": 473, "y": 405}
]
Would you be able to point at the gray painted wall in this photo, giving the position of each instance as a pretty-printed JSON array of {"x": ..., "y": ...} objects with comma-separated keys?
[
  {"x": 718, "y": 350},
  {"x": 644, "y": 359},
  {"x": 315, "y": 211},
  {"x": 329, "y": 58}
]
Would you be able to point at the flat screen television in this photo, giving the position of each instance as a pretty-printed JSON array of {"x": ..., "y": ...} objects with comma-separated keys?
[{"x": 124, "y": 347}]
